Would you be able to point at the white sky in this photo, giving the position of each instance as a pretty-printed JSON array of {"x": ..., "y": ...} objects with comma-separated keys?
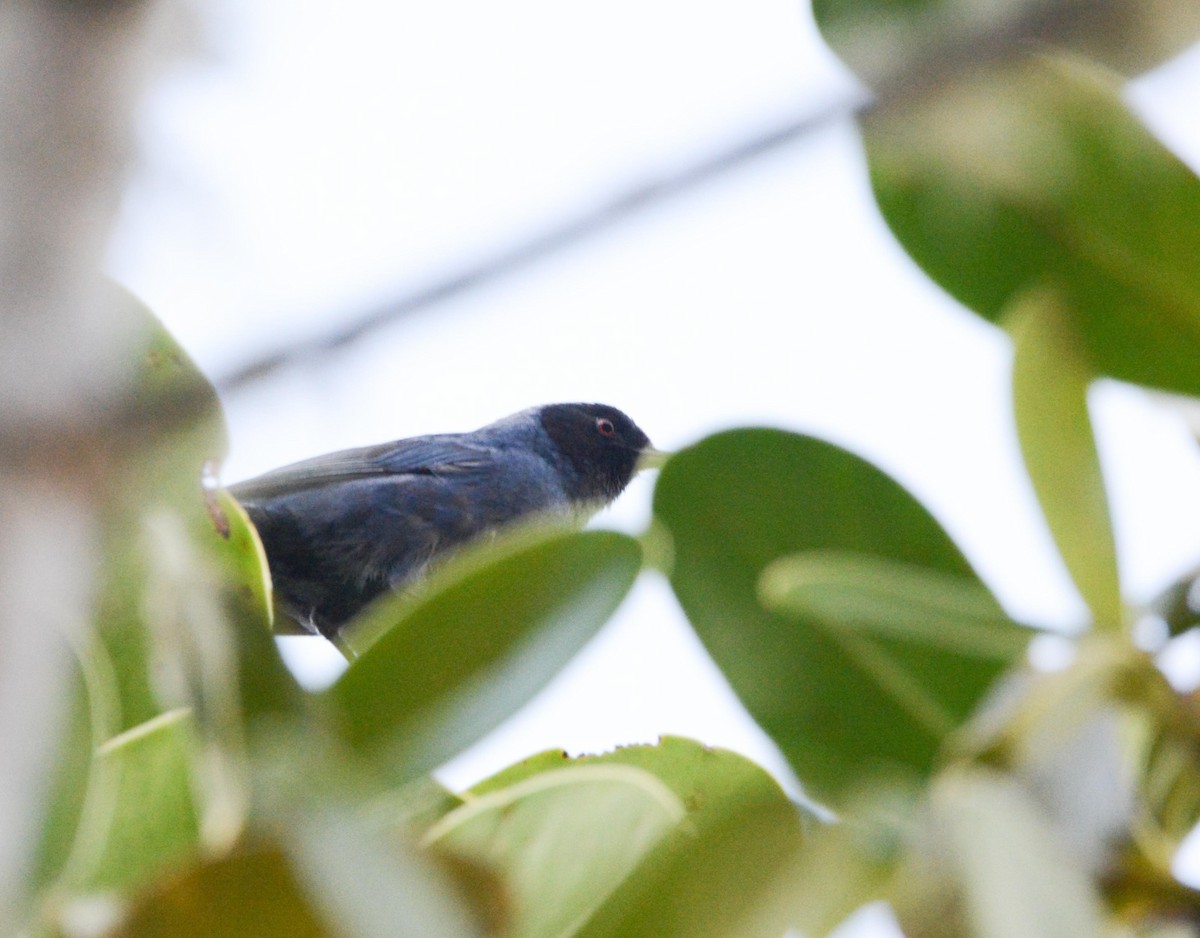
[{"x": 322, "y": 157}]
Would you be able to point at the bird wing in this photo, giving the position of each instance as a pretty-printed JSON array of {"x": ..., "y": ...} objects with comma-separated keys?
[{"x": 435, "y": 455}]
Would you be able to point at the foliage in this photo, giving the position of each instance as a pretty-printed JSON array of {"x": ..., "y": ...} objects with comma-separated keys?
[{"x": 202, "y": 791}]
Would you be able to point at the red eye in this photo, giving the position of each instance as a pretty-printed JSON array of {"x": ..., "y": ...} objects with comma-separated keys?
[{"x": 605, "y": 426}]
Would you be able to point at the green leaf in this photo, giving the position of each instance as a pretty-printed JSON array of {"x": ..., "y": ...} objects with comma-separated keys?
[
  {"x": 563, "y": 839},
  {"x": 887, "y": 598},
  {"x": 166, "y": 428},
  {"x": 856, "y": 861},
  {"x": 1036, "y": 173},
  {"x": 710, "y": 784},
  {"x": 1015, "y": 875},
  {"x": 700, "y": 776},
  {"x": 1051, "y": 377},
  {"x": 738, "y": 501},
  {"x": 415, "y": 806},
  {"x": 732, "y": 875},
  {"x": 486, "y": 634},
  {"x": 857, "y": 600},
  {"x": 175, "y": 429},
  {"x": 696, "y": 773},
  {"x": 152, "y": 821},
  {"x": 884, "y": 39},
  {"x": 239, "y": 573}
]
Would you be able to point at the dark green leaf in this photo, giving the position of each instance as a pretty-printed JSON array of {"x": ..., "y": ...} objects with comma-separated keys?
[
  {"x": 1050, "y": 384},
  {"x": 856, "y": 600},
  {"x": 740, "y": 500},
  {"x": 486, "y": 634},
  {"x": 1035, "y": 174}
]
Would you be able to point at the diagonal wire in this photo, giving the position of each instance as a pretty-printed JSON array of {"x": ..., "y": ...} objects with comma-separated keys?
[
  {"x": 552, "y": 239},
  {"x": 1044, "y": 21}
]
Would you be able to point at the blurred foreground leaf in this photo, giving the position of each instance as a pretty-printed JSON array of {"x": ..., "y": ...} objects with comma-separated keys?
[
  {"x": 876, "y": 597},
  {"x": 153, "y": 821},
  {"x": 739, "y": 501},
  {"x": 563, "y": 839},
  {"x": 158, "y": 440},
  {"x": 1050, "y": 385},
  {"x": 882, "y": 39},
  {"x": 1014, "y": 874},
  {"x": 174, "y": 428},
  {"x": 1034, "y": 173},
  {"x": 241, "y": 578},
  {"x": 711, "y": 784},
  {"x": 487, "y": 634},
  {"x": 251, "y": 893},
  {"x": 731, "y": 875}
]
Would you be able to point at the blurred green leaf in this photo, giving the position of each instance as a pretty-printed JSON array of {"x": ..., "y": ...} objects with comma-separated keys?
[
  {"x": 152, "y": 821},
  {"x": 729, "y": 875},
  {"x": 1036, "y": 173},
  {"x": 857, "y": 860},
  {"x": 372, "y": 885},
  {"x": 738, "y": 501},
  {"x": 1178, "y": 606},
  {"x": 174, "y": 427},
  {"x": 251, "y": 893},
  {"x": 167, "y": 426},
  {"x": 1159, "y": 729},
  {"x": 238, "y": 567},
  {"x": 710, "y": 784},
  {"x": 415, "y": 806},
  {"x": 700, "y": 776},
  {"x": 67, "y": 792},
  {"x": 878, "y": 597},
  {"x": 240, "y": 558},
  {"x": 1050, "y": 384},
  {"x": 1015, "y": 876},
  {"x": 563, "y": 839},
  {"x": 486, "y": 634},
  {"x": 885, "y": 39},
  {"x": 857, "y": 600},
  {"x": 359, "y": 867}
]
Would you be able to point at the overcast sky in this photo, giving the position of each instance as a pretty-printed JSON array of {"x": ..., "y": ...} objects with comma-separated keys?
[{"x": 316, "y": 159}]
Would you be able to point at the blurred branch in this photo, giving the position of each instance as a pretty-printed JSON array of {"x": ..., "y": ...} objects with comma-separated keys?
[{"x": 1035, "y": 21}]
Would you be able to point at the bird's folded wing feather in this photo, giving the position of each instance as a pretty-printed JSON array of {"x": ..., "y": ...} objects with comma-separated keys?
[{"x": 420, "y": 455}]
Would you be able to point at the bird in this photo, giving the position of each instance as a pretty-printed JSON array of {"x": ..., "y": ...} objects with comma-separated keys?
[{"x": 343, "y": 529}]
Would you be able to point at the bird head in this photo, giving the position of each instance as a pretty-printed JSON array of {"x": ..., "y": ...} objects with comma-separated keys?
[{"x": 603, "y": 445}]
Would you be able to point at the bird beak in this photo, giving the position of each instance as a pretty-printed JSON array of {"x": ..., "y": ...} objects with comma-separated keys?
[{"x": 652, "y": 458}]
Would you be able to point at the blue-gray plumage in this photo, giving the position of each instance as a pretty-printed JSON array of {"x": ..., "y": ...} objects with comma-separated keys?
[{"x": 341, "y": 529}]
